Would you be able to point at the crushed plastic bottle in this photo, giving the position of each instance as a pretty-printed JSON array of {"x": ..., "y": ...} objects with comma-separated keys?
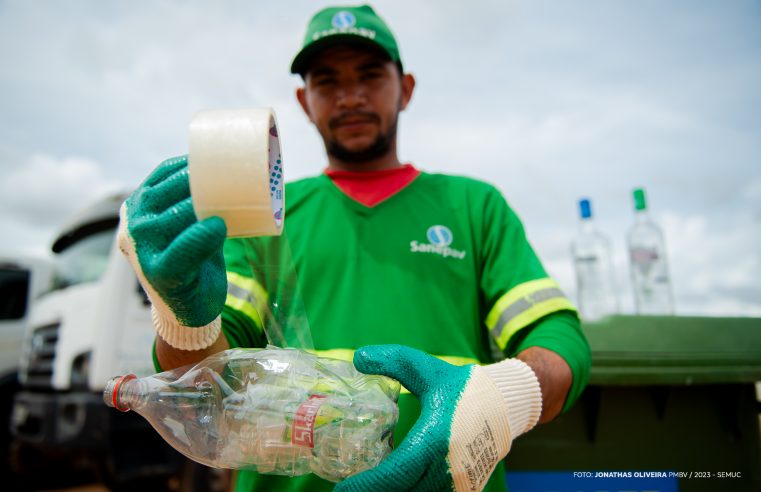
[
  {"x": 649, "y": 268},
  {"x": 593, "y": 263},
  {"x": 275, "y": 411}
]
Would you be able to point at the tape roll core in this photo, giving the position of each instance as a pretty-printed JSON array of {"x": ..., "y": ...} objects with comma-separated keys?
[{"x": 236, "y": 170}]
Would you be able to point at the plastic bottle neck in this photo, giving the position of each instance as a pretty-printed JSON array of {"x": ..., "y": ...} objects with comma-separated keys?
[{"x": 125, "y": 393}]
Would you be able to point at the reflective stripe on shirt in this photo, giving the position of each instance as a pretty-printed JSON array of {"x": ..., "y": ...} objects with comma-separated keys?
[
  {"x": 524, "y": 304},
  {"x": 246, "y": 295},
  {"x": 348, "y": 355}
]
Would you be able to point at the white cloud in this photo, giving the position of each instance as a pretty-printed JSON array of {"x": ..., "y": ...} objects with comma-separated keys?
[
  {"x": 714, "y": 265},
  {"x": 547, "y": 101},
  {"x": 38, "y": 194}
]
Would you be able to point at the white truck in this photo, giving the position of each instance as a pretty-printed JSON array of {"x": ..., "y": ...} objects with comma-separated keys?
[{"x": 93, "y": 324}]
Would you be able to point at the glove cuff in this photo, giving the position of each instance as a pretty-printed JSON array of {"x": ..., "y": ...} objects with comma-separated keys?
[
  {"x": 166, "y": 323},
  {"x": 185, "y": 337},
  {"x": 520, "y": 390},
  {"x": 500, "y": 402}
]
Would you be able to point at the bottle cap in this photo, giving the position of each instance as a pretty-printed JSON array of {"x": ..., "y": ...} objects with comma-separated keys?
[
  {"x": 639, "y": 199},
  {"x": 585, "y": 208}
]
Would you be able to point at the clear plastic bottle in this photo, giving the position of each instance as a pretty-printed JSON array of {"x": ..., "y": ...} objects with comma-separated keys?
[
  {"x": 593, "y": 263},
  {"x": 647, "y": 257},
  {"x": 277, "y": 411}
]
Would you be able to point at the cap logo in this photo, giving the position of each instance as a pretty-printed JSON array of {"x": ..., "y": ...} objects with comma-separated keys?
[{"x": 343, "y": 19}]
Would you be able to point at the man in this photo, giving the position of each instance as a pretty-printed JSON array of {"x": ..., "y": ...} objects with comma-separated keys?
[{"x": 408, "y": 262}]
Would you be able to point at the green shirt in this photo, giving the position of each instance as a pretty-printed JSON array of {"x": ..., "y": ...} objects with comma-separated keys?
[{"x": 442, "y": 266}]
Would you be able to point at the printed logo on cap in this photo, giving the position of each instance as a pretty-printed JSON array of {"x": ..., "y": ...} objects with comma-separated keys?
[
  {"x": 344, "y": 22},
  {"x": 439, "y": 235},
  {"x": 343, "y": 19}
]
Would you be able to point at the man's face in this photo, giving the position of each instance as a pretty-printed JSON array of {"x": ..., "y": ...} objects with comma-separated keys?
[{"x": 353, "y": 96}]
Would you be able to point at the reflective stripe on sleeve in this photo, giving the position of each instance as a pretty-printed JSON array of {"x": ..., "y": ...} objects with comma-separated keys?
[
  {"x": 524, "y": 304},
  {"x": 348, "y": 355},
  {"x": 246, "y": 295}
]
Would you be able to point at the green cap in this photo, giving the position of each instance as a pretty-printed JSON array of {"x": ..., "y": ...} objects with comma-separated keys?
[
  {"x": 639, "y": 199},
  {"x": 337, "y": 25}
]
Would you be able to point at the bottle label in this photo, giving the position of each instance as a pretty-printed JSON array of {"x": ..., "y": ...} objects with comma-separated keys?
[
  {"x": 644, "y": 258},
  {"x": 302, "y": 429},
  {"x": 644, "y": 255}
]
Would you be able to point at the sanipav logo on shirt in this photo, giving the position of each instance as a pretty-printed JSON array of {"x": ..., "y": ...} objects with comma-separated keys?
[{"x": 439, "y": 239}]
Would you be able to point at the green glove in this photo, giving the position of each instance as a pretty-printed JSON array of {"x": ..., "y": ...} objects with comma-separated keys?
[
  {"x": 178, "y": 259},
  {"x": 469, "y": 418}
]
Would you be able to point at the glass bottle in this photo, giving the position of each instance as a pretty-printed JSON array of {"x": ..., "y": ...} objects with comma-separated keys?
[
  {"x": 593, "y": 264},
  {"x": 647, "y": 258}
]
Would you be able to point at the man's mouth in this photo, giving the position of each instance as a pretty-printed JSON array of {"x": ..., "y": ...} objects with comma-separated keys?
[{"x": 353, "y": 121}]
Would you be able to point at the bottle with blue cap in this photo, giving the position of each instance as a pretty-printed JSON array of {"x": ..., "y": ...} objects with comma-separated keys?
[
  {"x": 647, "y": 258},
  {"x": 592, "y": 257}
]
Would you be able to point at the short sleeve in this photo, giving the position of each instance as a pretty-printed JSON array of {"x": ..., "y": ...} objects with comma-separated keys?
[{"x": 515, "y": 286}]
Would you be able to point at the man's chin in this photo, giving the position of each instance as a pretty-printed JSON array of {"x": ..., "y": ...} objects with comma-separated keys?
[
  {"x": 359, "y": 154},
  {"x": 357, "y": 144}
]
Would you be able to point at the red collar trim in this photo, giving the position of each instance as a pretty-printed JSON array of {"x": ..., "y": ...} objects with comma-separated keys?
[{"x": 372, "y": 187}]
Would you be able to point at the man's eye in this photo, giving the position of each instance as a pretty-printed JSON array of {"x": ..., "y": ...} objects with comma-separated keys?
[
  {"x": 371, "y": 75},
  {"x": 325, "y": 81}
]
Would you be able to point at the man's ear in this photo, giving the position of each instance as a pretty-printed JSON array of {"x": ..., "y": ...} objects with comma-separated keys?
[
  {"x": 408, "y": 87},
  {"x": 302, "y": 97}
]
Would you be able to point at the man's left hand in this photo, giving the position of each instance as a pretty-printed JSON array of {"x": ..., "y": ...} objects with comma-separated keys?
[{"x": 468, "y": 420}]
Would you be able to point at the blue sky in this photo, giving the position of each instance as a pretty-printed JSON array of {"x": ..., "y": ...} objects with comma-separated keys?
[{"x": 549, "y": 100}]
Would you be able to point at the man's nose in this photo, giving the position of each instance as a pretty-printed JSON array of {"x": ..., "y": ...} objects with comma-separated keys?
[{"x": 351, "y": 96}]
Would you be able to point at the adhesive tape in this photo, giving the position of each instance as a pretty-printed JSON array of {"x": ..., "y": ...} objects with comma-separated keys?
[{"x": 236, "y": 170}]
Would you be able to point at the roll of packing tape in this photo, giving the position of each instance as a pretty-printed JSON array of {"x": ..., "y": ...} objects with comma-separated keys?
[{"x": 236, "y": 170}]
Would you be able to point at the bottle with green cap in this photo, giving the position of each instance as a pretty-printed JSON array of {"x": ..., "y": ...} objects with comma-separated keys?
[
  {"x": 593, "y": 264},
  {"x": 647, "y": 258}
]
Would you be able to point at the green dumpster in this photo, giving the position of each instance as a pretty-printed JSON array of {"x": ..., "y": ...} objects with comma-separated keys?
[{"x": 671, "y": 405}]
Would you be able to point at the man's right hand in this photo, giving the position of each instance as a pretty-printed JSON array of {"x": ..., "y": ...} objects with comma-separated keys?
[{"x": 178, "y": 259}]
